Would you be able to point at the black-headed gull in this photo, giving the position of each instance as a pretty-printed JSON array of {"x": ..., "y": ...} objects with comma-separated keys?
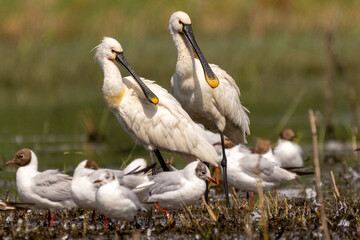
[
  {"x": 263, "y": 147},
  {"x": 185, "y": 186},
  {"x": 247, "y": 169},
  {"x": 290, "y": 156},
  {"x": 288, "y": 153},
  {"x": 49, "y": 189},
  {"x": 83, "y": 189},
  {"x": 115, "y": 201}
]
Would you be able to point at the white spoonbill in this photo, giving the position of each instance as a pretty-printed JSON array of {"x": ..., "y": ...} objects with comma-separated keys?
[
  {"x": 48, "y": 190},
  {"x": 208, "y": 94},
  {"x": 156, "y": 124}
]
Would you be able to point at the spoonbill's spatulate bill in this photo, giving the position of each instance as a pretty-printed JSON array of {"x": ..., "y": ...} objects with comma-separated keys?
[
  {"x": 47, "y": 190},
  {"x": 162, "y": 126},
  {"x": 214, "y": 103}
]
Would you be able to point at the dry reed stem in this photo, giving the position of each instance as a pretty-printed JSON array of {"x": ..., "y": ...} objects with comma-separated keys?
[
  {"x": 354, "y": 109},
  {"x": 317, "y": 174},
  {"x": 263, "y": 219},
  {"x": 355, "y": 154},
  {"x": 248, "y": 227},
  {"x": 334, "y": 184},
  {"x": 286, "y": 208},
  {"x": 211, "y": 213},
  {"x": 84, "y": 223},
  {"x": 268, "y": 206},
  {"x": 192, "y": 218},
  {"x": 183, "y": 220},
  {"x": 236, "y": 197},
  {"x": 303, "y": 214}
]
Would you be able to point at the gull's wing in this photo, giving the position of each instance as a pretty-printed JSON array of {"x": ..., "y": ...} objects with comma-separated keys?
[
  {"x": 53, "y": 185},
  {"x": 250, "y": 162},
  {"x": 167, "y": 182}
]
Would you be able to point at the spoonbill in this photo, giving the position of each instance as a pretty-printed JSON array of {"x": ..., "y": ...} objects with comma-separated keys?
[
  {"x": 47, "y": 190},
  {"x": 156, "y": 123},
  {"x": 208, "y": 94}
]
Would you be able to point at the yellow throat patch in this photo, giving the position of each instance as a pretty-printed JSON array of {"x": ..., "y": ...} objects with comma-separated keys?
[{"x": 114, "y": 100}]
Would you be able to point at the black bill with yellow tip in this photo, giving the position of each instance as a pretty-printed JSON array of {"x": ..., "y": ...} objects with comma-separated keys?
[
  {"x": 147, "y": 92},
  {"x": 210, "y": 76}
]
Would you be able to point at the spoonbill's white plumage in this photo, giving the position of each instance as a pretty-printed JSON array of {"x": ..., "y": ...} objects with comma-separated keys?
[
  {"x": 218, "y": 109},
  {"x": 185, "y": 186},
  {"x": 164, "y": 125},
  {"x": 115, "y": 201},
  {"x": 206, "y": 92},
  {"x": 289, "y": 153},
  {"x": 49, "y": 189}
]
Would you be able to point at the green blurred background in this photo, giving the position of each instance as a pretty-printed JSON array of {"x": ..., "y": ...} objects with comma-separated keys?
[{"x": 277, "y": 51}]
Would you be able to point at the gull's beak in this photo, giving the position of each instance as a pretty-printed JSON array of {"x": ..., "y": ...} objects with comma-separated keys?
[
  {"x": 147, "y": 92},
  {"x": 210, "y": 76},
  {"x": 358, "y": 149},
  {"x": 10, "y": 162},
  {"x": 211, "y": 179},
  {"x": 98, "y": 181}
]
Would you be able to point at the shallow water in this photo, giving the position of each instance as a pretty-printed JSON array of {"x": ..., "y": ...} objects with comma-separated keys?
[{"x": 300, "y": 220}]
